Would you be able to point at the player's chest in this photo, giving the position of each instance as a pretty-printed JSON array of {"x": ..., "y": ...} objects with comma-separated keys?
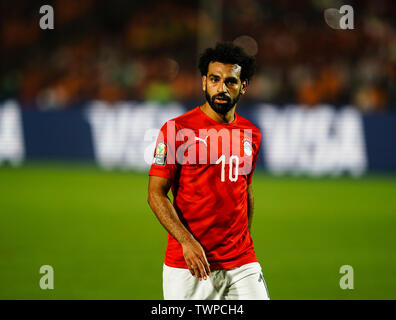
[{"x": 214, "y": 147}]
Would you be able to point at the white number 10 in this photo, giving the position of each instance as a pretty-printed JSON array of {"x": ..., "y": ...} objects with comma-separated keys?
[{"x": 233, "y": 172}]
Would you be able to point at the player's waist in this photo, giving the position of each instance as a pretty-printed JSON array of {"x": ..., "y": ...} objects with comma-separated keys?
[
  {"x": 216, "y": 243},
  {"x": 217, "y": 260}
]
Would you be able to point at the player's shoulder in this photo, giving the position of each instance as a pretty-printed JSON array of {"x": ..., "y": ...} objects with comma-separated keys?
[{"x": 245, "y": 123}]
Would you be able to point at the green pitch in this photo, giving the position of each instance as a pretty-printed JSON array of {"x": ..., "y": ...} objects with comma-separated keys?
[{"x": 97, "y": 232}]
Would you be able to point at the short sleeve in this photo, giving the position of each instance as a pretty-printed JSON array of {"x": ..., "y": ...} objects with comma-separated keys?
[{"x": 164, "y": 160}]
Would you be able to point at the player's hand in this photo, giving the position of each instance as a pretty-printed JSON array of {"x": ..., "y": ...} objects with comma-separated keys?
[{"x": 195, "y": 258}]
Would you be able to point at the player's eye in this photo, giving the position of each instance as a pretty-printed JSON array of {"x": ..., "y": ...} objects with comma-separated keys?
[{"x": 231, "y": 81}]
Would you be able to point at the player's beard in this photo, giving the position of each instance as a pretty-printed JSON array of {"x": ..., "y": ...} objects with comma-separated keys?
[{"x": 221, "y": 108}]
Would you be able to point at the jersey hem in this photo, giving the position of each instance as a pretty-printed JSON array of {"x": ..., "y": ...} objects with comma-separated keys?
[{"x": 215, "y": 265}]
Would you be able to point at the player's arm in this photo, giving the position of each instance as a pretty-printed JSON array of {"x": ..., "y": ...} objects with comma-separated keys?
[
  {"x": 250, "y": 205},
  {"x": 159, "y": 202}
]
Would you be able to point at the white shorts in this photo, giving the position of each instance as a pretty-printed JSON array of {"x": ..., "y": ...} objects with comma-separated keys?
[{"x": 242, "y": 283}]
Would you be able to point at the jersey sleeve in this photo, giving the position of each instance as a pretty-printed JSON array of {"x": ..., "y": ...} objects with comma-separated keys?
[
  {"x": 164, "y": 159},
  {"x": 255, "y": 157}
]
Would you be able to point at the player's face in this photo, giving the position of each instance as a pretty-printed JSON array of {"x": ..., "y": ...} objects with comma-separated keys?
[{"x": 222, "y": 86}]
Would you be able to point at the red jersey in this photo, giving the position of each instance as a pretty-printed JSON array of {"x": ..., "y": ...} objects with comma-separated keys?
[{"x": 210, "y": 165}]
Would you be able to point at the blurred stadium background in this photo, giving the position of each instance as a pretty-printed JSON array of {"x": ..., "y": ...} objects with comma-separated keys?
[{"x": 81, "y": 105}]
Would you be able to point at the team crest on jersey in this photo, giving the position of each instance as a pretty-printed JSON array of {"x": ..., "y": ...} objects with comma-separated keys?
[
  {"x": 160, "y": 154},
  {"x": 247, "y": 147}
]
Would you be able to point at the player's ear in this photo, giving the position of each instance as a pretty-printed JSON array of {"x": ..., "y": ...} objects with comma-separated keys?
[
  {"x": 244, "y": 86},
  {"x": 204, "y": 83}
]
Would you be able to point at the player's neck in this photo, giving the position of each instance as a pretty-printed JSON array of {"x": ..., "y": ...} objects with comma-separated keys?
[{"x": 218, "y": 117}]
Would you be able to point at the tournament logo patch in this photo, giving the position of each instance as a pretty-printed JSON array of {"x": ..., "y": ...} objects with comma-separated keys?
[
  {"x": 160, "y": 154},
  {"x": 247, "y": 147}
]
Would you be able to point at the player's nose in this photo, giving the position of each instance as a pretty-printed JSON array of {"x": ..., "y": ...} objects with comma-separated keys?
[{"x": 221, "y": 88}]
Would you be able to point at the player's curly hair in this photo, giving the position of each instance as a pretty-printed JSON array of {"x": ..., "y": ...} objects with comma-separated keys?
[{"x": 228, "y": 53}]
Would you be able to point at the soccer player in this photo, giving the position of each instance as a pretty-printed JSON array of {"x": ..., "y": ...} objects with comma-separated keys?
[{"x": 207, "y": 157}]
